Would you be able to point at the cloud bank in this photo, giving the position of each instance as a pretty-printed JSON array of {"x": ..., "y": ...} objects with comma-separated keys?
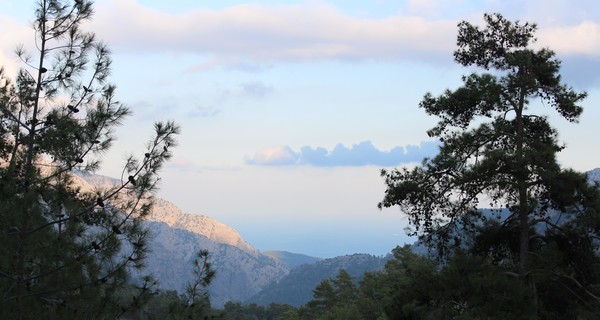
[
  {"x": 252, "y": 36},
  {"x": 314, "y": 30},
  {"x": 264, "y": 33},
  {"x": 361, "y": 154}
]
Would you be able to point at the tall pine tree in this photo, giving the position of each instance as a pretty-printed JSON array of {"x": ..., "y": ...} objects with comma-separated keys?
[
  {"x": 65, "y": 250},
  {"x": 496, "y": 148}
]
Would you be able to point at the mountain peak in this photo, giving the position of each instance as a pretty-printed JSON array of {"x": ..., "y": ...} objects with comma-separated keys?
[{"x": 169, "y": 213}]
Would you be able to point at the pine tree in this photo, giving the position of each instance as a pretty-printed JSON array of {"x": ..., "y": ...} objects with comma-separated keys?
[
  {"x": 66, "y": 251},
  {"x": 334, "y": 298},
  {"x": 195, "y": 303},
  {"x": 496, "y": 147},
  {"x": 324, "y": 298}
]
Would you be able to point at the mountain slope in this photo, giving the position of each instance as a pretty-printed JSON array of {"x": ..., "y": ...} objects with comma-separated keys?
[
  {"x": 169, "y": 213},
  {"x": 241, "y": 270},
  {"x": 240, "y": 273},
  {"x": 297, "y": 287}
]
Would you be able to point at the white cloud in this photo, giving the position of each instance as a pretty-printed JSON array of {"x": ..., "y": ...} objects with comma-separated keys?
[
  {"x": 261, "y": 34},
  {"x": 18, "y": 34},
  {"x": 272, "y": 156},
  {"x": 251, "y": 35},
  {"x": 583, "y": 38},
  {"x": 254, "y": 34}
]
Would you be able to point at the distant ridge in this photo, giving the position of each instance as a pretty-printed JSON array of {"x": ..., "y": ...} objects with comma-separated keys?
[
  {"x": 297, "y": 287},
  {"x": 291, "y": 260}
]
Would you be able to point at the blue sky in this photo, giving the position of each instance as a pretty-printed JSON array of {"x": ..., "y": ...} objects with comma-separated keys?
[{"x": 289, "y": 109}]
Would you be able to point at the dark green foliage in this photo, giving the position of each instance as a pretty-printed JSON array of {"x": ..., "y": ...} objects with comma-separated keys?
[
  {"x": 331, "y": 294},
  {"x": 238, "y": 311},
  {"x": 159, "y": 307},
  {"x": 412, "y": 285},
  {"x": 333, "y": 299},
  {"x": 66, "y": 250},
  {"x": 472, "y": 288},
  {"x": 498, "y": 150}
]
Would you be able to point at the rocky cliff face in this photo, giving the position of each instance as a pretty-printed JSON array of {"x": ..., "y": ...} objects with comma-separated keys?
[
  {"x": 242, "y": 271},
  {"x": 167, "y": 212}
]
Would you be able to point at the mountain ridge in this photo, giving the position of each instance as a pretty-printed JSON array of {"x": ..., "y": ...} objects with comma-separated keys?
[
  {"x": 167, "y": 212},
  {"x": 176, "y": 237},
  {"x": 290, "y": 259},
  {"x": 244, "y": 274}
]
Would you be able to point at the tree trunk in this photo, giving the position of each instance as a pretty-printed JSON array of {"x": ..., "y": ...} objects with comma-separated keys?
[{"x": 522, "y": 175}]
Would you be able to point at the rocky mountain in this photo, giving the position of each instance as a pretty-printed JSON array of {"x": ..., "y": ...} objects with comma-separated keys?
[
  {"x": 297, "y": 287},
  {"x": 240, "y": 274},
  {"x": 242, "y": 271},
  {"x": 167, "y": 212}
]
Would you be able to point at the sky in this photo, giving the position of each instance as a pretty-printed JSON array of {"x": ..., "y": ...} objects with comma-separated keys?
[{"x": 290, "y": 109}]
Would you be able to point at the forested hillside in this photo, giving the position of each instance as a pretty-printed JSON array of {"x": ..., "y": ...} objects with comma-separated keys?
[{"x": 296, "y": 288}]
